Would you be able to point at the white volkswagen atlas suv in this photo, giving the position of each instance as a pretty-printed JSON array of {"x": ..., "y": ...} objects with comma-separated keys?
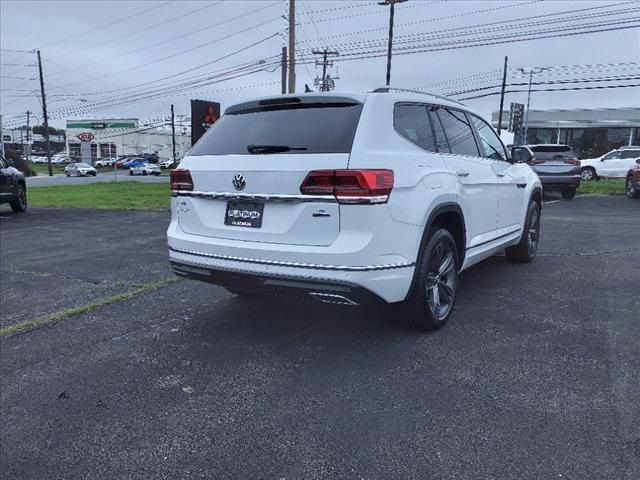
[{"x": 343, "y": 198}]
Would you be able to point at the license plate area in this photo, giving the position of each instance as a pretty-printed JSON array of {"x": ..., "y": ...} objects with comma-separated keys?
[{"x": 244, "y": 214}]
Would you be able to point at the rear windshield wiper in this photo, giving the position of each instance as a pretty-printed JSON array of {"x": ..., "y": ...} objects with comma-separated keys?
[{"x": 253, "y": 149}]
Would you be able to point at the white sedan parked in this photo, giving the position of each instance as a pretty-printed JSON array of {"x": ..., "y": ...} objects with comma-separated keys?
[
  {"x": 145, "y": 169},
  {"x": 106, "y": 162},
  {"x": 79, "y": 170}
]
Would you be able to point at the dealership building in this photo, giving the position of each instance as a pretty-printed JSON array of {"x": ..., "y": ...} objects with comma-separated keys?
[
  {"x": 591, "y": 133},
  {"x": 129, "y": 136}
]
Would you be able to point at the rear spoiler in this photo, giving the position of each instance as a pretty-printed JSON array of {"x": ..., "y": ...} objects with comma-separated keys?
[{"x": 307, "y": 101}]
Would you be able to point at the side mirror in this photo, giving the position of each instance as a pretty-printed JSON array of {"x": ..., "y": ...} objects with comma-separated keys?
[
  {"x": 520, "y": 155},
  {"x": 638, "y": 161}
]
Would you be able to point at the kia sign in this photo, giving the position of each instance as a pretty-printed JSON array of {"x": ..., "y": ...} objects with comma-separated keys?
[
  {"x": 85, "y": 137},
  {"x": 203, "y": 115}
]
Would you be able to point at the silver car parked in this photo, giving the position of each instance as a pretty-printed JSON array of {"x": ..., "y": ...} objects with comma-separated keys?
[
  {"x": 79, "y": 170},
  {"x": 557, "y": 166}
]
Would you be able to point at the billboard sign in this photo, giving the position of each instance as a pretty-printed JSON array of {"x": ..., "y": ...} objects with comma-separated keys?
[{"x": 203, "y": 115}]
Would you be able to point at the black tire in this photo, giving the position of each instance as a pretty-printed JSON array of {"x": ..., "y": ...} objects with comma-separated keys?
[
  {"x": 157, "y": 174},
  {"x": 431, "y": 300},
  {"x": 630, "y": 189},
  {"x": 67, "y": 174},
  {"x": 588, "y": 174},
  {"x": 144, "y": 172},
  {"x": 131, "y": 172},
  {"x": 525, "y": 250},
  {"x": 19, "y": 205},
  {"x": 568, "y": 193}
]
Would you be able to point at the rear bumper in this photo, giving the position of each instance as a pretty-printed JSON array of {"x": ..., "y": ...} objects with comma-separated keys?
[
  {"x": 328, "y": 291},
  {"x": 389, "y": 283},
  {"x": 551, "y": 182}
]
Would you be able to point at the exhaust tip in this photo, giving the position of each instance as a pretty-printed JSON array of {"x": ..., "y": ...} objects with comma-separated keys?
[{"x": 332, "y": 298}]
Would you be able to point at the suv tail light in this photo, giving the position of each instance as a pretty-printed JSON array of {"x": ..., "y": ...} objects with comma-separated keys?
[
  {"x": 350, "y": 186},
  {"x": 572, "y": 161},
  {"x": 535, "y": 161},
  {"x": 180, "y": 180}
]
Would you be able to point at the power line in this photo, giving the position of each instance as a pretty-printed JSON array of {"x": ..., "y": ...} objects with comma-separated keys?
[
  {"x": 135, "y": 32},
  {"x": 472, "y": 12},
  {"x": 135, "y": 67},
  {"x": 597, "y": 87},
  {"x": 172, "y": 39},
  {"x": 95, "y": 29},
  {"x": 480, "y": 28},
  {"x": 549, "y": 82},
  {"x": 163, "y": 93},
  {"x": 478, "y": 42}
]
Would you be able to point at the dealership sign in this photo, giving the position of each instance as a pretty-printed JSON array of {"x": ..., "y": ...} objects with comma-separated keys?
[
  {"x": 85, "y": 137},
  {"x": 203, "y": 115}
]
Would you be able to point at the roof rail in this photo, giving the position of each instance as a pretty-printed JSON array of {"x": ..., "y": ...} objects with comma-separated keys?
[{"x": 394, "y": 89}]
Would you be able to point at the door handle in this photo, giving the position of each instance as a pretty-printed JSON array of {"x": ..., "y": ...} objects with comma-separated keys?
[
  {"x": 500, "y": 174},
  {"x": 462, "y": 173}
]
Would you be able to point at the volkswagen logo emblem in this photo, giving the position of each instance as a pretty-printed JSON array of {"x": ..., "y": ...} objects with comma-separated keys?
[{"x": 239, "y": 182}]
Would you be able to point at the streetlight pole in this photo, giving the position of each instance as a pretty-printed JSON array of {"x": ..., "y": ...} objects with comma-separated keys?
[
  {"x": 391, "y": 4},
  {"x": 531, "y": 72}
]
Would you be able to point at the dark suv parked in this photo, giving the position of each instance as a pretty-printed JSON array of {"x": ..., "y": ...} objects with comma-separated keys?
[
  {"x": 13, "y": 188},
  {"x": 557, "y": 166}
]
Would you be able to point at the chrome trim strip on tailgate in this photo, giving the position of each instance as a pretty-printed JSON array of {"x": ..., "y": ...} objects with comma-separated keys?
[
  {"x": 292, "y": 264},
  {"x": 264, "y": 197}
]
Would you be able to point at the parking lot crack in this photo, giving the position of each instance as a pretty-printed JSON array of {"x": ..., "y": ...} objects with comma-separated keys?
[{"x": 46, "y": 320}]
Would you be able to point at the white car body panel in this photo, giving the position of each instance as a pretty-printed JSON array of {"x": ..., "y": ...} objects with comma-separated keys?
[{"x": 370, "y": 246}]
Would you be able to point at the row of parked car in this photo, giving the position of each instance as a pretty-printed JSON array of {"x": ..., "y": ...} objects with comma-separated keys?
[
  {"x": 558, "y": 167},
  {"x": 122, "y": 161}
]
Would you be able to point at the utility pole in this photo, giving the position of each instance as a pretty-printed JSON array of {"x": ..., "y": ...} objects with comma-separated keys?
[
  {"x": 28, "y": 144},
  {"x": 504, "y": 85},
  {"x": 292, "y": 46},
  {"x": 283, "y": 67},
  {"x": 391, "y": 4},
  {"x": 324, "y": 82},
  {"x": 531, "y": 72},
  {"x": 45, "y": 118},
  {"x": 173, "y": 134}
]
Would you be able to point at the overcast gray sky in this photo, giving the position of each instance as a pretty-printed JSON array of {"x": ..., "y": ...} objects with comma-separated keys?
[{"x": 100, "y": 51}]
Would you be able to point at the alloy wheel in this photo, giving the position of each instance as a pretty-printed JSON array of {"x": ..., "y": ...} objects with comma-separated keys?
[
  {"x": 534, "y": 233},
  {"x": 22, "y": 198},
  {"x": 630, "y": 190},
  {"x": 442, "y": 279},
  {"x": 587, "y": 174}
]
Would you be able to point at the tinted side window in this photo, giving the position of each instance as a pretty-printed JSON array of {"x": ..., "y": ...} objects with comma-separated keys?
[
  {"x": 630, "y": 153},
  {"x": 458, "y": 132},
  {"x": 441, "y": 138},
  {"x": 490, "y": 144},
  {"x": 612, "y": 155},
  {"x": 412, "y": 122}
]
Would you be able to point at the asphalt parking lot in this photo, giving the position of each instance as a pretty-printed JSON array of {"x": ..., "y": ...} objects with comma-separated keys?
[{"x": 536, "y": 376}]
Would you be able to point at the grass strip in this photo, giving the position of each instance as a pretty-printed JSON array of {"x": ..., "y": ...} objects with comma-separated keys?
[
  {"x": 602, "y": 187},
  {"x": 54, "y": 317},
  {"x": 125, "y": 195}
]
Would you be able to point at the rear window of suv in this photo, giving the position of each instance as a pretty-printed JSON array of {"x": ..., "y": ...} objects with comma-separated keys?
[
  {"x": 305, "y": 128},
  {"x": 553, "y": 151}
]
